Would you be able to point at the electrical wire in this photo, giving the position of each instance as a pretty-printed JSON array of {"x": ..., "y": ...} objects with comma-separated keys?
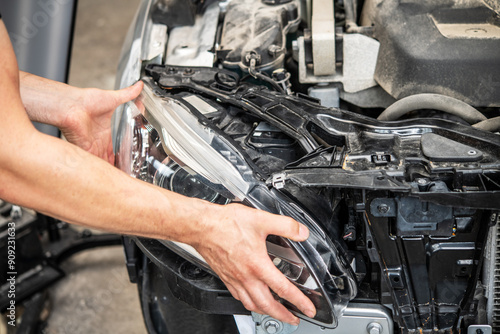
[{"x": 257, "y": 75}]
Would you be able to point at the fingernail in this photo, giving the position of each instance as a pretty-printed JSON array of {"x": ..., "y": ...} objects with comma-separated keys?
[
  {"x": 296, "y": 322},
  {"x": 303, "y": 232},
  {"x": 310, "y": 313}
]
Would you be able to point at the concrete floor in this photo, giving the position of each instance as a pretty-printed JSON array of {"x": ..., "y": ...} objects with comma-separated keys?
[{"x": 96, "y": 296}]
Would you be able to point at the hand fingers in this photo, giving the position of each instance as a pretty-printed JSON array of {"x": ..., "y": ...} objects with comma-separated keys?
[
  {"x": 256, "y": 297},
  {"x": 285, "y": 227},
  {"x": 129, "y": 93},
  {"x": 266, "y": 304},
  {"x": 232, "y": 290},
  {"x": 287, "y": 290},
  {"x": 244, "y": 298}
]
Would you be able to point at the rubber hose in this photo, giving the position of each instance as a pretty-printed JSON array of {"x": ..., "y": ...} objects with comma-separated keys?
[
  {"x": 431, "y": 101},
  {"x": 492, "y": 125}
]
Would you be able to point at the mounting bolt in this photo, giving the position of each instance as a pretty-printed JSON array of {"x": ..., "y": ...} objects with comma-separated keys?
[
  {"x": 273, "y": 50},
  {"x": 374, "y": 328},
  {"x": 422, "y": 181},
  {"x": 383, "y": 208},
  {"x": 272, "y": 326},
  {"x": 423, "y": 184}
]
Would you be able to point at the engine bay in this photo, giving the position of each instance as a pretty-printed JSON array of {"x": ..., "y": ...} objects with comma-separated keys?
[{"x": 411, "y": 199}]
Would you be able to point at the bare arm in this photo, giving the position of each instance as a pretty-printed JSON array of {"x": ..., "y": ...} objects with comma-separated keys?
[
  {"x": 82, "y": 114},
  {"x": 66, "y": 182}
]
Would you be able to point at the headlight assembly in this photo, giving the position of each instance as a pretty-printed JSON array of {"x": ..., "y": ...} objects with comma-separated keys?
[{"x": 166, "y": 141}]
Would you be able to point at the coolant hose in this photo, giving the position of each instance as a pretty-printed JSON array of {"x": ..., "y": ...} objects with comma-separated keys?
[
  {"x": 492, "y": 125},
  {"x": 432, "y": 101}
]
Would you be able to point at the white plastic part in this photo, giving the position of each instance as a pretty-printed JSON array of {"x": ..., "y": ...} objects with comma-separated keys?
[{"x": 323, "y": 37}]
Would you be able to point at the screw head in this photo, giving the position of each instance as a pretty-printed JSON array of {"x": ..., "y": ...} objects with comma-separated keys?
[
  {"x": 374, "y": 328},
  {"x": 383, "y": 208},
  {"x": 273, "y": 50},
  {"x": 272, "y": 326}
]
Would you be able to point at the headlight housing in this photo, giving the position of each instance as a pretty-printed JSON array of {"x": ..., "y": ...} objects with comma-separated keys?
[{"x": 167, "y": 142}]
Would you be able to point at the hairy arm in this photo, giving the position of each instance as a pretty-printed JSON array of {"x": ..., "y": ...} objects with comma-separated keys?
[{"x": 67, "y": 182}]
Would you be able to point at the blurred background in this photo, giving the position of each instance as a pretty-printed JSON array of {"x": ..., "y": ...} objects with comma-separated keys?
[{"x": 96, "y": 295}]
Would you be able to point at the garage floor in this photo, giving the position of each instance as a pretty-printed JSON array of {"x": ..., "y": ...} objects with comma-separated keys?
[{"x": 96, "y": 296}]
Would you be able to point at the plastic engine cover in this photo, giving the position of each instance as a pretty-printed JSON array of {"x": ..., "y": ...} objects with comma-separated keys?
[
  {"x": 446, "y": 47},
  {"x": 255, "y": 27}
]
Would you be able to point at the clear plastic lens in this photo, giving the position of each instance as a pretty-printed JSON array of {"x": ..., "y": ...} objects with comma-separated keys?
[
  {"x": 188, "y": 185},
  {"x": 194, "y": 146},
  {"x": 289, "y": 263},
  {"x": 160, "y": 141},
  {"x": 145, "y": 159}
]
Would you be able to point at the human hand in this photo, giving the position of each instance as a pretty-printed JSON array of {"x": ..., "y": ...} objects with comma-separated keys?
[
  {"x": 83, "y": 115},
  {"x": 233, "y": 242},
  {"x": 88, "y": 123}
]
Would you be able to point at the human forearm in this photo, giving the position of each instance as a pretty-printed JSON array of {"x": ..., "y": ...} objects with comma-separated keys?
[
  {"x": 47, "y": 101},
  {"x": 83, "y": 115},
  {"x": 58, "y": 179},
  {"x": 64, "y": 181},
  {"x": 71, "y": 184}
]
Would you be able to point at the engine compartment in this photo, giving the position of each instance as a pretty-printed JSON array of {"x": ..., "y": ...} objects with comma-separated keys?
[{"x": 413, "y": 202}]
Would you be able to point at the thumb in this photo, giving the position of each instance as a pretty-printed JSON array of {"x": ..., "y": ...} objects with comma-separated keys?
[
  {"x": 288, "y": 228},
  {"x": 129, "y": 93}
]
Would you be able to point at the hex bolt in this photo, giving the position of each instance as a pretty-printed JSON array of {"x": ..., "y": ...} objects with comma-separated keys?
[
  {"x": 273, "y": 50},
  {"x": 423, "y": 184},
  {"x": 374, "y": 328},
  {"x": 272, "y": 326},
  {"x": 383, "y": 208}
]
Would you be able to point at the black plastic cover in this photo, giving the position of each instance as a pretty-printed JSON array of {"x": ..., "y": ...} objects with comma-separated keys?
[
  {"x": 174, "y": 13},
  {"x": 416, "y": 57}
]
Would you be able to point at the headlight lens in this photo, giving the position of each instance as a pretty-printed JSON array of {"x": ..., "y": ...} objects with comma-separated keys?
[{"x": 162, "y": 141}]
